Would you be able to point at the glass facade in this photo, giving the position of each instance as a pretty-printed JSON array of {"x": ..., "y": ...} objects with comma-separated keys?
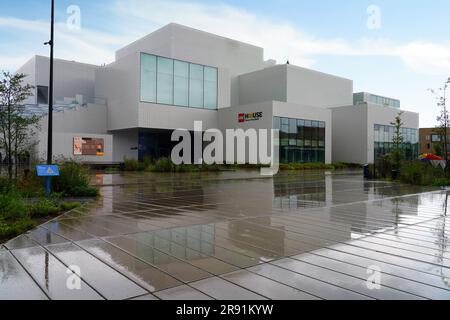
[
  {"x": 174, "y": 82},
  {"x": 384, "y": 136},
  {"x": 301, "y": 141},
  {"x": 361, "y": 97}
]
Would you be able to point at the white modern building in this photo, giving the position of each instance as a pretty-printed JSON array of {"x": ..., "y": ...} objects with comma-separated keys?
[{"x": 178, "y": 75}]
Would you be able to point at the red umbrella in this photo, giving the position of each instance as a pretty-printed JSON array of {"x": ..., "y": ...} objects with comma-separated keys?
[{"x": 433, "y": 157}]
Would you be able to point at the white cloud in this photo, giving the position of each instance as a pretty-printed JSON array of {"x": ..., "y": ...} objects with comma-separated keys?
[
  {"x": 280, "y": 40},
  {"x": 83, "y": 45},
  {"x": 127, "y": 20}
]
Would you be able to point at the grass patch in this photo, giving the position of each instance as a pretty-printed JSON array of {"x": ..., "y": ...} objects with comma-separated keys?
[
  {"x": 18, "y": 216},
  {"x": 10, "y": 230}
]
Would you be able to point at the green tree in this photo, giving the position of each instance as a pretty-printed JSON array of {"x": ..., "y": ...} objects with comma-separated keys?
[
  {"x": 443, "y": 118},
  {"x": 397, "y": 153},
  {"x": 15, "y": 123}
]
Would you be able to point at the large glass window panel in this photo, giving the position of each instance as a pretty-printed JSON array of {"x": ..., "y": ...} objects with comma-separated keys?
[
  {"x": 210, "y": 88},
  {"x": 148, "y": 78},
  {"x": 276, "y": 123},
  {"x": 300, "y": 130},
  {"x": 284, "y": 134},
  {"x": 308, "y": 136},
  {"x": 181, "y": 83},
  {"x": 165, "y": 81},
  {"x": 321, "y": 137},
  {"x": 196, "y": 85}
]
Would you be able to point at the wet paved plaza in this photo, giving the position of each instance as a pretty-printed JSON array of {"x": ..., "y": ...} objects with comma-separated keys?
[{"x": 238, "y": 236}]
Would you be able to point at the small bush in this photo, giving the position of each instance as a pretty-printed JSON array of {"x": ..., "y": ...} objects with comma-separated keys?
[
  {"x": 83, "y": 191},
  {"x": 12, "y": 206},
  {"x": 133, "y": 165},
  {"x": 384, "y": 167},
  {"x": 422, "y": 174},
  {"x": 10, "y": 230},
  {"x": 164, "y": 165},
  {"x": 342, "y": 165},
  {"x": 74, "y": 181},
  {"x": 43, "y": 208},
  {"x": 30, "y": 185},
  {"x": 112, "y": 170},
  {"x": 5, "y": 185},
  {"x": 67, "y": 206},
  {"x": 306, "y": 166}
]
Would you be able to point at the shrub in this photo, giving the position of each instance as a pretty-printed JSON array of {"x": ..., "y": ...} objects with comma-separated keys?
[
  {"x": 43, "y": 208},
  {"x": 30, "y": 185},
  {"x": 422, "y": 173},
  {"x": 306, "y": 166},
  {"x": 342, "y": 165},
  {"x": 83, "y": 191},
  {"x": 164, "y": 165},
  {"x": 74, "y": 181},
  {"x": 5, "y": 185},
  {"x": 133, "y": 165},
  {"x": 12, "y": 207},
  {"x": 67, "y": 206},
  {"x": 10, "y": 230},
  {"x": 112, "y": 170},
  {"x": 384, "y": 167}
]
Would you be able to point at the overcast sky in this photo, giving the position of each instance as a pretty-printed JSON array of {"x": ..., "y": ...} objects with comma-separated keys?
[{"x": 400, "y": 50}]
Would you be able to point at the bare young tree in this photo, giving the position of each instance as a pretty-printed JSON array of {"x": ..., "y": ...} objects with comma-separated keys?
[
  {"x": 443, "y": 119},
  {"x": 397, "y": 153},
  {"x": 15, "y": 123}
]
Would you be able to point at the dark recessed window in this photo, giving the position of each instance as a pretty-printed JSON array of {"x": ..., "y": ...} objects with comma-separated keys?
[{"x": 42, "y": 95}]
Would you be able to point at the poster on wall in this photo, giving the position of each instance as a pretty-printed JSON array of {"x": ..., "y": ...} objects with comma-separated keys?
[{"x": 88, "y": 146}]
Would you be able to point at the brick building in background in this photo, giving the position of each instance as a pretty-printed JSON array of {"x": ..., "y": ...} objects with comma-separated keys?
[{"x": 430, "y": 138}]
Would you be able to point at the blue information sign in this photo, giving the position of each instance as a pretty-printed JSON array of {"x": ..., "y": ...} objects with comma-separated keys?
[{"x": 47, "y": 171}]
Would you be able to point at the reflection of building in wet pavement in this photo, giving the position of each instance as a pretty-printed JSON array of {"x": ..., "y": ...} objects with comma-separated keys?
[
  {"x": 184, "y": 242},
  {"x": 158, "y": 238},
  {"x": 244, "y": 234},
  {"x": 312, "y": 192}
]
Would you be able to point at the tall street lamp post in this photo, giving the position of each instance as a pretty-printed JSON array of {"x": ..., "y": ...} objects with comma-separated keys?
[{"x": 50, "y": 89}]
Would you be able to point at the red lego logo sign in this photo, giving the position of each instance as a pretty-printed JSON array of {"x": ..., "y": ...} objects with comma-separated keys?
[{"x": 245, "y": 117}]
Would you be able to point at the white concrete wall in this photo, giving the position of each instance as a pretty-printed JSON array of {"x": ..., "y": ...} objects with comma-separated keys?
[
  {"x": 292, "y": 84},
  {"x": 350, "y": 134},
  {"x": 63, "y": 147},
  {"x": 265, "y": 85},
  {"x": 29, "y": 69},
  {"x": 171, "y": 117},
  {"x": 229, "y": 119},
  {"x": 126, "y": 143},
  {"x": 70, "y": 77},
  {"x": 312, "y": 88},
  {"x": 185, "y": 43},
  {"x": 353, "y": 130},
  {"x": 120, "y": 83},
  {"x": 90, "y": 119}
]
